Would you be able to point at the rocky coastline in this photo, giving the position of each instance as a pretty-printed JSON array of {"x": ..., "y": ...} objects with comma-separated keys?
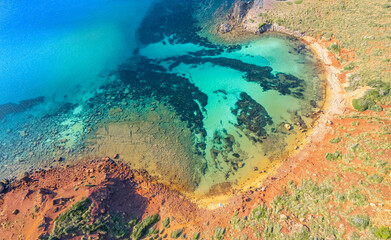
[{"x": 241, "y": 18}]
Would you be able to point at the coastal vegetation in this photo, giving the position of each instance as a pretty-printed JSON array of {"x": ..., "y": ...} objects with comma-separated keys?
[
  {"x": 309, "y": 210},
  {"x": 362, "y": 27}
]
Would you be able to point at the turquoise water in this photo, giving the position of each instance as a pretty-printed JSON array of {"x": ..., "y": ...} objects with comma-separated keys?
[
  {"x": 224, "y": 86},
  {"x": 131, "y": 78},
  {"x": 48, "y": 47}
]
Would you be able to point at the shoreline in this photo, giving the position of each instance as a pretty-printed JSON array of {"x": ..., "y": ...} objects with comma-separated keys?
[
  {"x": 334, "y": 103},
  {"x": 95, "y": 179},
  {"x": 304, "y": 191},
  {"x": 160, "y": 198}
]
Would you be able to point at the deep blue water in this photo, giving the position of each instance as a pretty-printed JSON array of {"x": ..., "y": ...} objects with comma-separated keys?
[{"x": 50, "y": 46}]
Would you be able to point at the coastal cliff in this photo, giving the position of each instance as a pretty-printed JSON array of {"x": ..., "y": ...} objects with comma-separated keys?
[{"x": 242, "y": 17}]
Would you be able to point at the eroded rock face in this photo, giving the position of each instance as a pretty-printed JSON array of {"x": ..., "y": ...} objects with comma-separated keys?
[
  {"x": 239, "y": 10},
  {"x": 225, "y": 27},
  {"x": 277, "y": 28}
]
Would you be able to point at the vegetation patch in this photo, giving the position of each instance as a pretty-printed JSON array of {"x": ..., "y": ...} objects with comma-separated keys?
[
  {"x": 357, "y": 198},
  {"x": 381, "y": 232},
  {"x": 74, "y": 221},
  {"x": 78, "y": 220},
  {"x": 349, "y": 67},
  {"x": 219, "y": 234},
  {"x": 334, "y": 48},
  {"x": 176, "y": 234},
  {"x": 335, "y": 140},
  {"x": 337, "y": 155},
  {"x": 141, "y": 228},
  {"x": 374, "y": 178},
  {"x": 360, "y": 221}
]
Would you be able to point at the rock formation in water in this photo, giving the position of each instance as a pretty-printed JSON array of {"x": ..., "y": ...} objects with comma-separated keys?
[{"x": 9, "y": 108}]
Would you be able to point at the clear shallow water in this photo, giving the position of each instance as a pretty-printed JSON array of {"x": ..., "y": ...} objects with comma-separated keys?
[
  {"x": 50, "y": 46},
  {"x": 197, "y": 114},
  {"x": 224, "y": 87}
]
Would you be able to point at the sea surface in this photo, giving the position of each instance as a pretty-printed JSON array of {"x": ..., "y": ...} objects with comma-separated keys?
[
  {"x": 133, "y": 79},
  {"x": 48, "y": 47}
]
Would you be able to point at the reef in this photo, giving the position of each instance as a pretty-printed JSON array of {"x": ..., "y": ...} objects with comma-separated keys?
[
  {"x": 147, "y": 79},
  {"x": 281, "y": 82},
  {"x": 252, "y": 116},
  {"x": 23, "y": 105},
  {"x": 160, "y": 22}
]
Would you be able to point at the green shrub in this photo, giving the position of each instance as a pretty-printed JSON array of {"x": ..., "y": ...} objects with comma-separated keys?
[
  {"x": 354, "y": 236},
  {"x": 141, "y": 228},
  {"x": 334, "y": 48},
  {"x": 335, "y": 140},
  {"x": 176, "y": 234},
  {"x": 75, "y": 219},
  {"x": 357, "y": 198},
  {"x": 375, "y": 108},
  {"x": 219, "y": 234},
  {"x": 238, "y": 224},
  {"x": 340, "y": 197},
  {"x": 381, "y": 90},
  {"x": 298, "y": 1},
  {"x": 327, "y": 36},
  {"x": 372, "y": 94},
  {"x": 382, "y": 232},
  {"x": 258, "y": 213},
  {"x": 374, "y": 178},
  {"x": 196, "y": 235},
  {"x": 166, "y": 223},
  {"x": 362, "y": 104},
  {"x": 289, "y": 3},
  {"x": 337, "y": 155},
  {"x": 361, "y": 221},
  {"x": 355, "y": 124},
  {"x": 261, "y": 25},
  {"x": 349, "y": 66}
]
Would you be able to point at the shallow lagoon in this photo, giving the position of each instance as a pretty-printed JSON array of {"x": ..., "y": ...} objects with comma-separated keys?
[
  {"x": 199, "y": 116},
  {"x": 224, "y": 87}
]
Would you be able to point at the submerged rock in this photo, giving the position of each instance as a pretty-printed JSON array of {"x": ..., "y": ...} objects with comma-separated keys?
[
  {"x": 252, "y": 116},
  {"x": 114, "y": 111},
  {"x": 9, "y": 108}
]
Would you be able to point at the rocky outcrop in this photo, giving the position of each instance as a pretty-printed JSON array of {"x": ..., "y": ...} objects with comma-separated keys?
[
  {"x": 277, "y": 28},
  {"x": 239, "y": 10},
  {"x": 225, "y": 27}
]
